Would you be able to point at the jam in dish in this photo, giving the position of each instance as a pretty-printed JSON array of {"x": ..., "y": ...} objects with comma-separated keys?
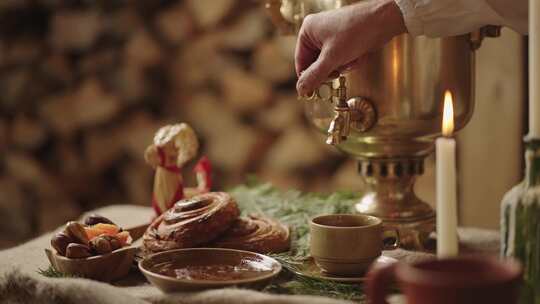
[{"x": 212, "y": 272}]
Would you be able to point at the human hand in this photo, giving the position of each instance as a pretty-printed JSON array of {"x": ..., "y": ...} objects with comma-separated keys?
[{"x": 335, "y": 41}]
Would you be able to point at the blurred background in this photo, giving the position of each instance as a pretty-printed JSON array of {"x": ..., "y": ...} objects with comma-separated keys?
[{"x": 85, "y": 84}]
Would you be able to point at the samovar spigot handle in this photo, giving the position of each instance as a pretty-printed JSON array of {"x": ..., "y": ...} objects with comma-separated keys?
[
  {"x": 340, "y": 125},
  {"x": 330, "y": 93},
  {"x": 357, "y": 113},
  {"x": 477, "y": 37}
]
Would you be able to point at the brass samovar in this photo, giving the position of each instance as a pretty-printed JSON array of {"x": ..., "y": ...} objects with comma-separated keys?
[{"x": 387, "y": 113}]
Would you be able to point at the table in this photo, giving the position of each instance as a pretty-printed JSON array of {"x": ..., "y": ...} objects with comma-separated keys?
[{"x": 20, "y": 282}]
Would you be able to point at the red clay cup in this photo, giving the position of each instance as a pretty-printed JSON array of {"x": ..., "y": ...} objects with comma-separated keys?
[{"x": 463, "y": 280}]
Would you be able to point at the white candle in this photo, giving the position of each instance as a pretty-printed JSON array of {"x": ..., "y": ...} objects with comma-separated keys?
[
  {"x": 447, "y": 240},
  {"x": 534, "y": 69}
]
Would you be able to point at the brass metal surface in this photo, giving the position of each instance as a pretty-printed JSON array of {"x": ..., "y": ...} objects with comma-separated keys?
[
  {"x": 393, "y": 113},
  {"x": 363, "y": 114},
  {"x": 389, "y": 194},
  {"x": 405, "y": 81},
  {"x": 356, "y": 113}
]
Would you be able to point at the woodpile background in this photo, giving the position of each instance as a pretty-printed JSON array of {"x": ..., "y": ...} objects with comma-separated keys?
[{"x": 85, "y": 84}]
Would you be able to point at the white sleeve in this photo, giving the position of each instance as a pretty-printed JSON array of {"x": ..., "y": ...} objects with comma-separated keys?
[{"x": 438, "y": 18}]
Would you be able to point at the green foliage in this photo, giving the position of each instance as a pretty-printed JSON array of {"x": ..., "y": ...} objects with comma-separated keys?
[
  {"x": 293, "y": 208},
  {"x": 296, "y": 209},
  {"x": 50, "y": 272},
  {"x": 316, "y": 287}
]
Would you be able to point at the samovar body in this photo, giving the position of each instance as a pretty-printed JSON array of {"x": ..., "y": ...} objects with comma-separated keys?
[{"x": 393, "y": 109}]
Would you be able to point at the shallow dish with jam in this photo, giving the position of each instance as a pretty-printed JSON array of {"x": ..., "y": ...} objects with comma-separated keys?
[{"x": 206, "y": 268}]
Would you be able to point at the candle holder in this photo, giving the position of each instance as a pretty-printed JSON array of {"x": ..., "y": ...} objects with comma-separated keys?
[{"x": 520, "y": 223}]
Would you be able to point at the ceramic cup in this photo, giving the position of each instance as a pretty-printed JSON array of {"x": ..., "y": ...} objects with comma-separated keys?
[
  {"x": 347, "y": 244},
  {"x": 464, "y": 280}
]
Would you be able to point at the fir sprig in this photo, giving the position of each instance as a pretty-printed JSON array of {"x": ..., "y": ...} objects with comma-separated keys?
[
  {"x": 50, "y": 272},
  {"x": 296, "y": 209},
  {"x": 293, "y": 208},
  {"x": 319, "y": 287}
]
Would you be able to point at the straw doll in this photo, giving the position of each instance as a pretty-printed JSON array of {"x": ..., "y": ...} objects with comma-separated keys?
[{"x": 173, "y": 147}]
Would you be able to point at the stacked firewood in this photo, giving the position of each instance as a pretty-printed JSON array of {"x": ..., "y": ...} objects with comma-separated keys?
[{"x": 85, "y": 84}]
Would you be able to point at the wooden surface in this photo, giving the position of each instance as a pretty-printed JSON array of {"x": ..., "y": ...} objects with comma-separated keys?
[{"x": 489, "y": 147}]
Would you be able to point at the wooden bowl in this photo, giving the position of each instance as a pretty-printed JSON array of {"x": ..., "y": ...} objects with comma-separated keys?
[
  {"x": 107, "y": 267},
  {"x": 265, "y": 268}
]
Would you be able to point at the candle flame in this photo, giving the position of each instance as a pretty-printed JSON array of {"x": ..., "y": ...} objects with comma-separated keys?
[{"x": 448, "y": 114}]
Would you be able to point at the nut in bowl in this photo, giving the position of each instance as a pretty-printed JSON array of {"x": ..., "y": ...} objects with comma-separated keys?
[
  {"x": 96, "y": 249},
  {"x": 205, "y": 268}
]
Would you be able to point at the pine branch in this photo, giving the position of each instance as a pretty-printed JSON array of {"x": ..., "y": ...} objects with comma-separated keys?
[
  {"x": 50, "y": 272},
  {"x": 319, "y": 287},
  {"x": 296, "y": 209}
]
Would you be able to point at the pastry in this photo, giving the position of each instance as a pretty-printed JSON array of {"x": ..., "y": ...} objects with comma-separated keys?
[
  {"x": 192, "y": 222},
  {"x": 256, "y": 233}
]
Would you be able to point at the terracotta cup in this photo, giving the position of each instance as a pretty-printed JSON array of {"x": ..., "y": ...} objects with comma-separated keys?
[
  {"x": 347, "y": 244},
  {"x": 464, "y": 280}
]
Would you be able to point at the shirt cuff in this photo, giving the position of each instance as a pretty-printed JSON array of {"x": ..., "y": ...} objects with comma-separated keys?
[{"x": 414, "y": 24}]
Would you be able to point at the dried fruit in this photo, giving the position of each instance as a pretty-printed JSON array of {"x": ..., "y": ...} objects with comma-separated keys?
[
  {"x": 101, "y": 229},
  {"x": 94, "y": 219},
  {"x": 60, "y": 242},
  {"x": 105, "y": 243},
  {"x": 76, "y": 232},
  {"x": 125, "y": 238},
  {"x": 115, "y": 243},
  {"x": 77, "y": 251},
  {"x": 101, "y": 244}
]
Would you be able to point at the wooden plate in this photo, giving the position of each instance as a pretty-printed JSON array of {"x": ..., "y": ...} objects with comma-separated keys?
[
  {"x": 311, "y": 270},
  {"x": 208, "y": 257}
]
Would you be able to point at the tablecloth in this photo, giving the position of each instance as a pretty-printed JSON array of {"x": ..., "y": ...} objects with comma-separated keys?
[{"x": 21, "y": 283}]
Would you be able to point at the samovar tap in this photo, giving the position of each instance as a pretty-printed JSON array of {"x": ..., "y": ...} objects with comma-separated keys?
[{"x": 340, "y": 125}]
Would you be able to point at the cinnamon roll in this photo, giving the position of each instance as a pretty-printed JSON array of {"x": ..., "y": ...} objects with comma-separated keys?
[
  {"x": 192, "y": 222},
  {"x": 256, "y": 233}
]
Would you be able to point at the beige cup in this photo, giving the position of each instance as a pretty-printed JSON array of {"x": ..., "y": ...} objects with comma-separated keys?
[{"x": 347, "y": 244}]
